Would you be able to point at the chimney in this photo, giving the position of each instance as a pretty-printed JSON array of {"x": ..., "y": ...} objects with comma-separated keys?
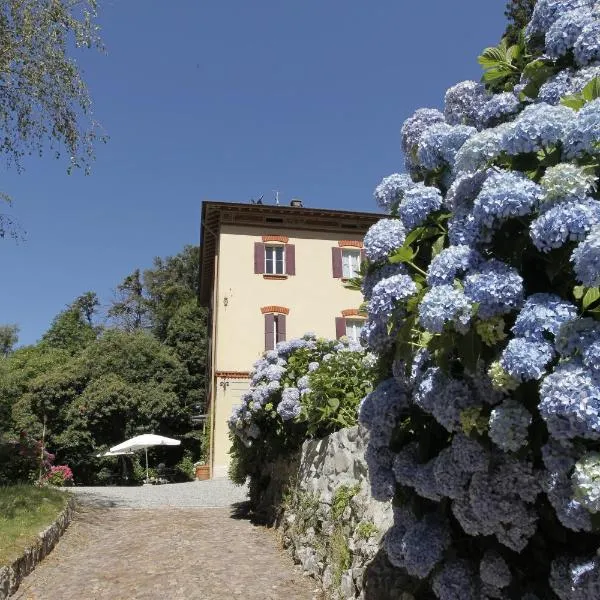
[{"x": 296, "y": 202}]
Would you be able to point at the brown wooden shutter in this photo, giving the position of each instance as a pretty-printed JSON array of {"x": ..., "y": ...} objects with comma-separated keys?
[
  {"x": 269, "y": 331},
  {"x": 340, "y": 327},
  {"x": 280, "y": 328},
  {"x": 336, "y": 262},
  {"x": 290, "y": 259},
  {"x": 362, "y": 256},
  {"x": 259, "y": 257}
]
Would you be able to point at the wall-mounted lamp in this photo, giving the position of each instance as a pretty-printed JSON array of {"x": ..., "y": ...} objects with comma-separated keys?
[
  {"x": 224, "y": 384},
  {"x": 225, "y": 301}
]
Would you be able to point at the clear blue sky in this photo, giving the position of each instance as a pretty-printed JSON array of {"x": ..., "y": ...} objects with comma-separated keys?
[{"x": 226, "y": 101}]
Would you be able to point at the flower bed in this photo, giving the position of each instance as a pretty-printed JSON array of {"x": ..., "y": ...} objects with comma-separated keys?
[
  {"x": 484, "y": 309},
  {"x": 306, "y": 387}
]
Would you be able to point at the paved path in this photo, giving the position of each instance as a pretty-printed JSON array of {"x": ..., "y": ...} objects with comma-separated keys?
[{"x": 168, "y": 553}]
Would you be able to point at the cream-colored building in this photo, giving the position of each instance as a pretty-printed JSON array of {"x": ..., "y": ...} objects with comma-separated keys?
[{"x": 271, "y": 273}]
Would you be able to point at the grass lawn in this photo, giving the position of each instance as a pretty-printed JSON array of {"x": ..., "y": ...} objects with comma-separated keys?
[{"x": 25, "y": 511}]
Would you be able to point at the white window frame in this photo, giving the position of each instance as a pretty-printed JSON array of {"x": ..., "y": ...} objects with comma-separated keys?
[
  {"x": 272, "y": 263},
  {"x": 353, "y": 328},
  {"x": 350, "y": 263}
]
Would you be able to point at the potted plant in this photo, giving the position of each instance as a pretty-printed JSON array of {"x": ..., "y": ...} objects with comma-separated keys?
[{"x": 202, "y": 470}]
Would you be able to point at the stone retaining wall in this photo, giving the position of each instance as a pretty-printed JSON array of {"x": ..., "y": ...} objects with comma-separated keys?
[
  {"x": 12, "y": 575},
  {"x": 320, "y": 501}
]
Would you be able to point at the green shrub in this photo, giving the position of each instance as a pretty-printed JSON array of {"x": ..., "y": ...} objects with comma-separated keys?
[{"x": 337, "y": 387}]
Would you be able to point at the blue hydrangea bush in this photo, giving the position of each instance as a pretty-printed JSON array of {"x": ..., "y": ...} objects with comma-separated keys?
[
  {"x": 483, "y": 297},
  {"x": 305, "y": 387}
]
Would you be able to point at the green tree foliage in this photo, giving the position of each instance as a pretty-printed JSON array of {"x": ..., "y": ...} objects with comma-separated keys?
[
  {"x": 72, "y": 329},
  {"x": 95, "y": 387},
  {"x": 186, "y": 334},
  {"x": 9, "y": 336},
  {"x": 44, "y": 102},
  {"x": 518, "y": 13},
  {"x": 130, "y": 309},
  {"x": 170, "y": 284}
]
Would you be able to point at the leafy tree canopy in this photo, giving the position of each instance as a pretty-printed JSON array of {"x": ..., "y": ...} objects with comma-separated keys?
[
  {"x": 43, "y": 98},
  {"x": 9, "y": 336}
]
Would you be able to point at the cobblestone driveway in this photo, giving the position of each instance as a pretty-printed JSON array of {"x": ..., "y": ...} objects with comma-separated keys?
[{"x": 165, "y": 554}]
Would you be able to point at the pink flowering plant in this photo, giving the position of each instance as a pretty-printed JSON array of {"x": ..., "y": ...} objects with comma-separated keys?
[{"x": 59, "y": 475}]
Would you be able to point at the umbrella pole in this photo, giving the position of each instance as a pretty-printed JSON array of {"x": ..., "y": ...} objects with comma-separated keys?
[{"x": 146, "y": 449}]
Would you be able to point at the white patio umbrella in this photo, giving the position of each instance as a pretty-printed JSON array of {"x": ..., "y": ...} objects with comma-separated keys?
[
  {"x": 109, "y": 453},
  {"x": 144, "y": 441}
]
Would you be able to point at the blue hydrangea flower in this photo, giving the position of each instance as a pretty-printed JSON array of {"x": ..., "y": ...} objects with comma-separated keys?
[
  {"x": 503, "y": 195},
  {"x": 422, "y": 547},
  {"x": 587, "y": 46},
  {"x": 391, "y": 190},
  {"x": 444, "y": 398},
  {"x": 499, "y": 107},
  {"x": 576, "y": 336},
  {"x": 591, "y": 356},
  {"x": 450, "y": 479},
  {"x": 565, "y": 222},
  {"x": 376, "y": 336},
  {"x": 274, "y": 372},
  {"x": 538, "y": 126},
  {"x": 303, "y": 382},
  {"x": 456, "y": 581},
  {"x": 586, "y": 481},
  {"x": 501, "y": 502},
  {"x": 570, "y": 402},
  {"x": 440, "y": 143},
  {"x": 557, "y": 87},
  {"x": 418, "y": 203},
  {"x": 388, "y": 292},
  {"x": 451, "y": 263},
  {"x": 542, "y": 314},
  {"x": 586, "y": 259},
  {"x": 509, "y": 423},
  {"x": 526, "y": 359},
  {"x": 464, "y": 102},
  {"x": 374, "y": 276},
  {"x": 583, "y": 133},
  {"x": 444, "y": 304},
  {"x": 494, "y": 570},
  {"x": 497, "y": 288},
  {"x": 576, "y": 578},
  {"x": 381, "y": 477},
  {"x": 404, "y": 519},
  {"x": 464, "y": 189},
  {"x": 289, "y": 407},
  {"x": 383, "y": 237},
  {"x": 480, "y": 148},
  {"x": 380, "y": 410},
  {"x": 564, "y": 32},
  {"x": 547, "y": 12},
  {"x": 414, "y": 127},
  {"x": 569, "y": 511},
  {"x": 565, "y": 182}
]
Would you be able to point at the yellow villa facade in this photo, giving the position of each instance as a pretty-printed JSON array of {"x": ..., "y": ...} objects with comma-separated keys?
[{"x": 271, "y": 273}]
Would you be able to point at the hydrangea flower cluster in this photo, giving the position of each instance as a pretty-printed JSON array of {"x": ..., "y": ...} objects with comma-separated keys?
[
  {"x": 275, "y": 397},
  {"x": 485, "y": 427}
]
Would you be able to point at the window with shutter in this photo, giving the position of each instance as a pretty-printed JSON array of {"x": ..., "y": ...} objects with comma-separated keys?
[
  {"x": 269, "y": 331},
  {"x": 274, "y": 260},
  {"x": 336, "y": 262},
  {"x": 353, "y": 328},
  {"x": 280, "y": 333},
  {"x": 290, "y": 259},
  {"x": 350, "y": 263},
  {"x": 340, "y": 327},
  {"x": 259, "y": 257}
]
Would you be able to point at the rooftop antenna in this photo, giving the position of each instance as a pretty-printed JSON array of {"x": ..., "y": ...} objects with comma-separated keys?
[{"x": 276, "y": 193}]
